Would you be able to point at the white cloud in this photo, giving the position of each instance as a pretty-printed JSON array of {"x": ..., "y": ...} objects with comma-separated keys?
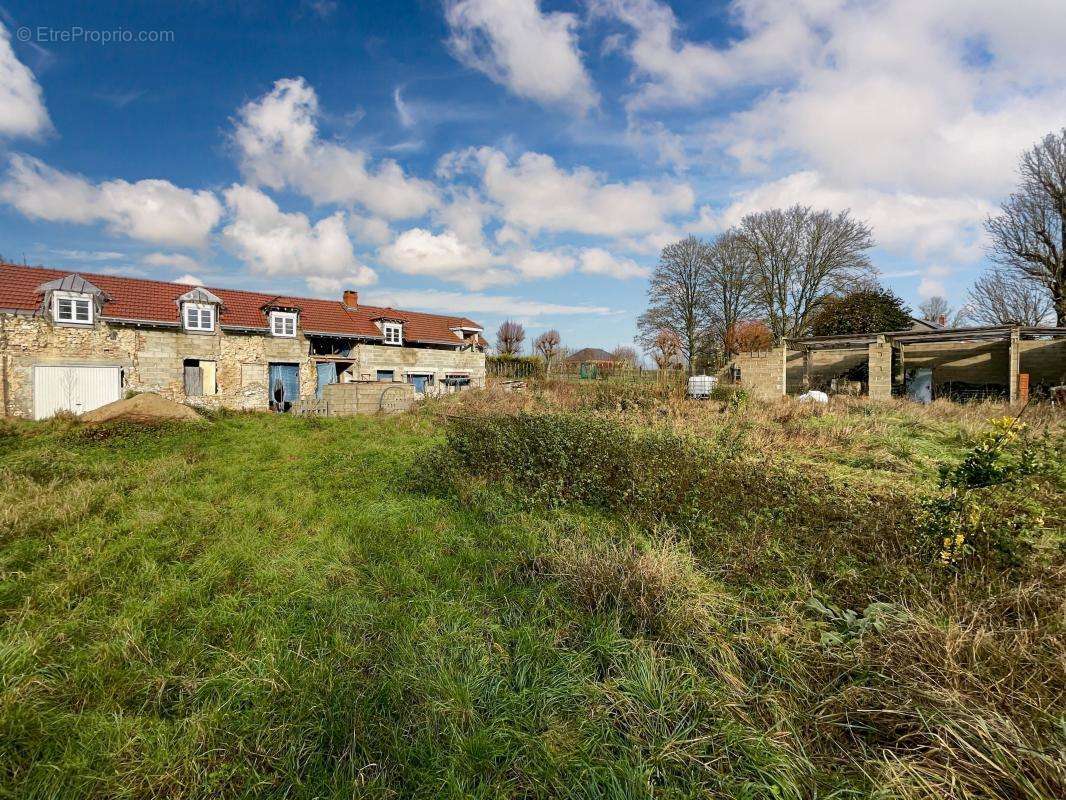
[
  {"x": 920, "y": 225},
  {"x": 537, "y": 195},
  {"x": 372, "y": 230},
  {"x": 535, "y": 55},
  {"x": 22, "y": 110},
  {"x": 544, "y": 264},
  {"x": 477, "y": 303},
  {"x": 597, "y": 261},
  {"x": 273, "y": 242},
  {"x": 442, "y": 255},
  {"x": 148, "y": 210},
  {"x": 189, "y": 280},
  {"x": 279, "y": 146},
  {"x": 403, "y": 111},
  {"x": 678, "y": 72},
  {"x": 173, "y": 260},
  {"x": 88, "y": 255}
]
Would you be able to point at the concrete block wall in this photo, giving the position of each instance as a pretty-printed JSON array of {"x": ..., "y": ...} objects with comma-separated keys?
[
  {"x": 763, "y": 373},
  {"x": 365, "y": 397},
  {"x": 880, "y": 356},
  {"x": 1044, "y": 360},
  {"x": 369, "y": 358}
]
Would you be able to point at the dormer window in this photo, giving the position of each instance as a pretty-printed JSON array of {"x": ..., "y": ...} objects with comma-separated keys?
[
  {"x": 200, "y": 310},
  {"x": 72, "y": 307},
  {"x": 199, "y": 317},
  {"x": 393, "y": 332},
  {"x": 283, "y": 323}
]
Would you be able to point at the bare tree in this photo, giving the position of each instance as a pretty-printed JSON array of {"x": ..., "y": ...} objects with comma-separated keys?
[
  {"x": 1029, "y": 236},
  {"x": 730, "y": 288},
  {"x": 1006, "y": 297},
  {"x": 665, "y": 350},
  {"x": 625, "y": 354},
  {"x": 800, "y": 256},
  {"x": 509, "y": 338},
  {"x": 935, "y": 309},
  {"x": 678, "y": 299},
  {"x": 547, "y": 346}
]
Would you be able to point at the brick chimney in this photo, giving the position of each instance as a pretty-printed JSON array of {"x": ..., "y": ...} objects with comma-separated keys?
[
  {"x": 351, "y": 299},
  {"x": 943, "y": 320}
]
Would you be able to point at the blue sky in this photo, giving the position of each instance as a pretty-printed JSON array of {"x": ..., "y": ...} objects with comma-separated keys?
[{"x": 508, "y": 157}]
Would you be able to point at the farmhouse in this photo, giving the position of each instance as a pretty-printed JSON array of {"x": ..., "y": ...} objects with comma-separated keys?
[
  {"x": 922, "y": 362},
  {"x": 75, "y": 341}
]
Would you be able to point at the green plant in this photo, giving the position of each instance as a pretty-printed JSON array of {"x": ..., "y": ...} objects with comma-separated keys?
[
  {"x": 987, "y": 512},
  {"x": 843, "y": 625}
]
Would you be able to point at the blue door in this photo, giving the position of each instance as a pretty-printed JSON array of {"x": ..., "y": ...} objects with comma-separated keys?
[
  {"x": 327, "y": 374},
  {"x": 284, "y": 380},
  {"x": 419, "y": 382}
]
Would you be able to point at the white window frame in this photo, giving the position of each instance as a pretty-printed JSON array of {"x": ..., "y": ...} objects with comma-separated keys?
[
  {"x": 199, "y": 308},
  {"x": 392, "y": 333},
  {"x": 75, "y": 299},
  {"x": 283, "y": 324}
]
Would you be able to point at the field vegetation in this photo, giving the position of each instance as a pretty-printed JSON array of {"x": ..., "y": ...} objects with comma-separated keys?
[{"x": 581, "y": 592}]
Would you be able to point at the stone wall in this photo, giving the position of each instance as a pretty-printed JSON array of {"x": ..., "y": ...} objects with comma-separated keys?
[
  {"x": 403, "y": 361},
  {"x": 152, "y": 360}
]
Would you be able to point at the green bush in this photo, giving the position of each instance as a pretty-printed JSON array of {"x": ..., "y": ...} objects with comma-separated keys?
[{"x": 990, "y": 509}]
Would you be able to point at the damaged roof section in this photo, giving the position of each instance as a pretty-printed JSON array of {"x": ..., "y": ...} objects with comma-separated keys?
[{"x": 136, "y": 300}]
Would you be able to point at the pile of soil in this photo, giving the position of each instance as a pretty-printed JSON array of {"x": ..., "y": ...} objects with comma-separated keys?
[{"x": 147, "y": 407}]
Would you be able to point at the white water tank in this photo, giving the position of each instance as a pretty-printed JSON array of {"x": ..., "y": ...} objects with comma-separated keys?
[{"x": 701, "y": 386}]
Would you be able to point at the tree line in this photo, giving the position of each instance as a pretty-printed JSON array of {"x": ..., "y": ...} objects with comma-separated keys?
[
  {"x": 784, "y": 273},
  {"x": 548, "y": 346}
]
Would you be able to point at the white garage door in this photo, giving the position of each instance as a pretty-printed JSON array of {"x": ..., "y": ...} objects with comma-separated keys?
[{"x": 76, "y": 389}]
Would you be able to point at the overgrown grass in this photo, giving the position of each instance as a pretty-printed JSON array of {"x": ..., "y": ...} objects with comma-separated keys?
[{"x": 272, "y": 607}]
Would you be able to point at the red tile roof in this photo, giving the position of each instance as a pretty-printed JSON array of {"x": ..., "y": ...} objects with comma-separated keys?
[{"x": 135, "y": 299}]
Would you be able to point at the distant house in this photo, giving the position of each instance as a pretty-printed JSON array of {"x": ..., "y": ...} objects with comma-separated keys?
[
  {"x": 590, "y": 355},
  {"x": 75, "y": 341}
]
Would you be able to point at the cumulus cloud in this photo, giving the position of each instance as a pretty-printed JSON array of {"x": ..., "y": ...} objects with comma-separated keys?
[
  {"x": 443, "y": 255},
  {"x": 919, "y": 225},
  {"x": 189, "y": 280},
  {"x": 22, "y": 110},
  {"x": 535, "y": 194},
  {"x": 279, "y": 146},
  {"x": 544, "y": 264},
  {"x": 597, "y": 261},
  {"x": 274, "y": 242},
  {"x": 149, "y": 210},
  {"x": 173, "y": 260},
  {"x": 535, "y": 55},
  {"x": 477, "y": 303},
  {"x": 679, "y": 72}
]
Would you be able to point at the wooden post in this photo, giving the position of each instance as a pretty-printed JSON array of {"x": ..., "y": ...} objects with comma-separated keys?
[
  {"x": 1014, "y": 361},
  {"x": 806, "y": 369}
]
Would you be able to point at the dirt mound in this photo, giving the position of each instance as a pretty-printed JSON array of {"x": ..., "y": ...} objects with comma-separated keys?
[{"x": 147, "y": 407}]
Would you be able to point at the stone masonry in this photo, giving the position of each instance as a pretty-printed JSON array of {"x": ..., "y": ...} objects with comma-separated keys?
[{"x": 152, "y": 360}]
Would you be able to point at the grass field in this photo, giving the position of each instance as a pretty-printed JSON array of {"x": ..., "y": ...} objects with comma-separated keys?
[{"x": 280, "y": 607}]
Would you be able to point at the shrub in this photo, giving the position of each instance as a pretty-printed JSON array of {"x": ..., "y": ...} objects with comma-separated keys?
[
  {"x": 554, "y": 459},
  {"x": 990, "y": 509}
]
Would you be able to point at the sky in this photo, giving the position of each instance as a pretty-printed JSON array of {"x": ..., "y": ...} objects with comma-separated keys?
[{"x": 508, "y": 158}]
